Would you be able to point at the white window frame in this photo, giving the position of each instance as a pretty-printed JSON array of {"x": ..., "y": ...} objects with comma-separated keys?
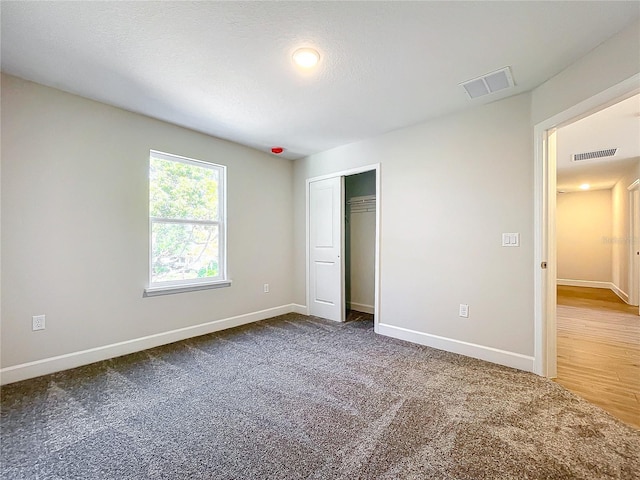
[{"x": 189, "y": 285}]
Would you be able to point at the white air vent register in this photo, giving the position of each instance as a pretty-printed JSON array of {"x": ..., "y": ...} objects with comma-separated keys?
[
  {"x": 489, "y": 83},
  {"x": 579, "y": 157}
]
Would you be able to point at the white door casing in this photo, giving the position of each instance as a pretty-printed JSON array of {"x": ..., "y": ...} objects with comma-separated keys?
[
  {"x": 550, "y": 283},
  {"x": 634, "y": 251},
  {"x": 544, "y": 240},
  {"x": 326, "y": 211}
]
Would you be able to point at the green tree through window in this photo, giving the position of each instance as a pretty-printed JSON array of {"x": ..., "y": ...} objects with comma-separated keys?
[{"x": 185, "y": 210}]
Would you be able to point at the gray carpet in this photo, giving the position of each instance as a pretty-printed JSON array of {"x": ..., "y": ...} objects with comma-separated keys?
[{"x": 298, "y": 397}]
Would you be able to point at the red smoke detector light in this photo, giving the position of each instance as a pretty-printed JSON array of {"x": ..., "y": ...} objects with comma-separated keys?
[{"x": 277, "y": 150}]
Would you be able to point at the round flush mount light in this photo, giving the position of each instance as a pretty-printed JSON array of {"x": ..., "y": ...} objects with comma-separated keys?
[
  {"x": 306, "y": 57},
  {"x": 585, "y": 186}
]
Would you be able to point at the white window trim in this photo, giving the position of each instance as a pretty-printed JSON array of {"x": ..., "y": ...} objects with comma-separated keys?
[
  {"x": 171, "y": 289},
  {"x": 191, "y": 285}
]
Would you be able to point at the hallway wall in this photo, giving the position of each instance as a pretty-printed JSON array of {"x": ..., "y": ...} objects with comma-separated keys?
[
  {"x": 583, "y": 235},
  {"x": 621, "y": 235}
]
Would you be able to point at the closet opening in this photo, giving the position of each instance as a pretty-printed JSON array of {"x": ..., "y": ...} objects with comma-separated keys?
[
  {"x": 343, "y": 246},
  {"x": 360, "y": 246}
]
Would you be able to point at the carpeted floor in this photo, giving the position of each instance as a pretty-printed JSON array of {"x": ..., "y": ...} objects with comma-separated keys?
[{"x": 298, "y": 397}]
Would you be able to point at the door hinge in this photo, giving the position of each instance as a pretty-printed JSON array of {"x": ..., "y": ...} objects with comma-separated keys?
[{"x": 543, "y": 265}]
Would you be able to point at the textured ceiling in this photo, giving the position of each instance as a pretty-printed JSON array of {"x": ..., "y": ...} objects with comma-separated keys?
[{"x": 224, "y": 68}]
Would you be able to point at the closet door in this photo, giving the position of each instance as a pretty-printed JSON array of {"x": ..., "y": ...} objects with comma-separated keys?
[{"x": 326, "y": 297}]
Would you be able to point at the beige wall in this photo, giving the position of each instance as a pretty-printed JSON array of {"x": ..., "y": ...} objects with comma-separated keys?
[
  {"x": 75, "y": 225},
  {"x": 583, "y": 235},
  {"x": 450, "y": 188},
  {"x": 621, "y": 235}
]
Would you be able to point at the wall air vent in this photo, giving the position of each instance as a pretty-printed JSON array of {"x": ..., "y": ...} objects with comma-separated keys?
[
  {"x": 579, "y": 157},
  {"x": 489, "y": 83}
]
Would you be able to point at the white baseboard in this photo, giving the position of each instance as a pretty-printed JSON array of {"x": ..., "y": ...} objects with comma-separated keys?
[
  {"x": 301, "y": 309},
  {"x": 623, "y": 296},
  {"x": 494, "y": 355},
  {"x": 593, "y": 284},
  {"x": 567, "y": 282},
  {"x": 45, "y": 366},
  {"x": 360, "y": 307}
]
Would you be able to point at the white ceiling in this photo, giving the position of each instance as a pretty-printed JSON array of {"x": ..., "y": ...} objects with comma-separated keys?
[
  {"x": 617, "y": 126},
  {"x": 224, "y": 68}
]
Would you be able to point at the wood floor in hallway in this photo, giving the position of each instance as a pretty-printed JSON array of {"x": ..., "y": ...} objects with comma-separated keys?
[{"x": 599, "y": 350}]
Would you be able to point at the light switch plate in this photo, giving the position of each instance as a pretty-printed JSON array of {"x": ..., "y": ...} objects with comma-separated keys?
[
  {"x": 464, "y": 310},
  {"x": 510, "y": 239}
]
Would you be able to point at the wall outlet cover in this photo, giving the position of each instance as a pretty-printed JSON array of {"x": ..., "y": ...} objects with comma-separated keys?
[{"x": 38, "y": 322}]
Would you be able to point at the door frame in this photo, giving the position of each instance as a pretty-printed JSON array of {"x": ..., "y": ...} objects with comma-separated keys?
[
  {"x": 634, "y": 274},
  {"x": 344, "y": 173},
  {"x": 545, "y": 281}
]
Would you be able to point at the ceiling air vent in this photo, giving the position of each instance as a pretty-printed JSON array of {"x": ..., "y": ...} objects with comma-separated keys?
[
  {"x": 489, "y": 83},
  {"x": 609, "y": 152}
]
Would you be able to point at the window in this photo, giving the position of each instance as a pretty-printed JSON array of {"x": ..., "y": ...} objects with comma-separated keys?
[{"x": 187, "y": 224}]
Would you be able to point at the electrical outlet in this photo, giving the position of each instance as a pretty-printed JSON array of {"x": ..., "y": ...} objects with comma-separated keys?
[
  {"x": 464, "y": 310},
  {"x": 266, "y": 288},
  {"x": 38, "y": 322}
]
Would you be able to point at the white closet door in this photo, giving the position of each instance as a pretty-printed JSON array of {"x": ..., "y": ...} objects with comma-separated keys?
[{"x": 326, "y": 199}]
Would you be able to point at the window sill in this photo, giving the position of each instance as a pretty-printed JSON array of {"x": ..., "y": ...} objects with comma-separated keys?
[{"x": 192, "y": 287}]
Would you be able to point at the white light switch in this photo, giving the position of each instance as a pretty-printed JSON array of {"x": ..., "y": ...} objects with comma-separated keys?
[{"x": 510, "y": 239}]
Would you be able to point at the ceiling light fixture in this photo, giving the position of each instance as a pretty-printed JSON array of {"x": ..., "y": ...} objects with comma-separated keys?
[
  {"x": 585, "y": 186},
  {"x": 306, "y": 57}
]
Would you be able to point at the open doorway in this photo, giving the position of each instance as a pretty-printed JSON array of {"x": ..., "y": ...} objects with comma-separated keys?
[
  {"x": 343, "y": 245},
  {"x": 598, "y": 327},
  {"x": 634, "y": 244},
  {"x": 360, "y": 245},
  {"x": 594, "y": 207},
  {"x": 544, "y": 218}
]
